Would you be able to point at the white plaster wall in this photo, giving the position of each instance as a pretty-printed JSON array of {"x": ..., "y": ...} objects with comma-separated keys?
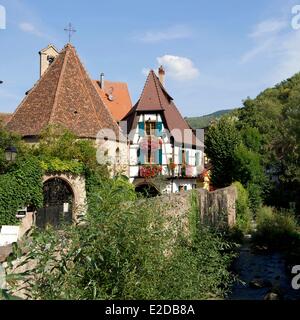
[
  {"x": 118, "y": 162},
  {"x": 167, "y": 151}
]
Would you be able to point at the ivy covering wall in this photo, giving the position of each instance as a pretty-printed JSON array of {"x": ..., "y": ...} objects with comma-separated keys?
[
  {"x": 59, "y": 151},
  {"x": 20, "y": 186}
]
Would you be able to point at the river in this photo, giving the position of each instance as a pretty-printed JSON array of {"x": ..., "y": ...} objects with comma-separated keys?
[{"x": 261, "y": 272}]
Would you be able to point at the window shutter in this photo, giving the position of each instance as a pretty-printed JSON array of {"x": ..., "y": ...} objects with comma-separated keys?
[
  {"x": 187, "y": 157},
  {"x": 157, "y": 157},
  {"x": 180, "y": 156},
  {"x": 159, "y": 129},
  {"x": 141, "y": 156},
  {"x": 197, "y": 159},
  {"x": 160, "y": 156},
  {"x": 141, "y": 129}
]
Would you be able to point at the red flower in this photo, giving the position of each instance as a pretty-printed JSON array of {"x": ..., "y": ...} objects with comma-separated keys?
[{"x": 150, "y": 171}]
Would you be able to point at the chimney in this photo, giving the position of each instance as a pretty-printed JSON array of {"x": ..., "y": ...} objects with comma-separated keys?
[
  {"x": 162, "y": 73},
  {"x": 102, "y": 81}
]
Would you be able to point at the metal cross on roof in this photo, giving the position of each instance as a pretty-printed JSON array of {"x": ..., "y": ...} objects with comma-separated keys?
[{"x": 70, "y": 30}]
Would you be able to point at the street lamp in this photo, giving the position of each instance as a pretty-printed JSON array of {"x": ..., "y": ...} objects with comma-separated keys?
[{"x": 11, "y": 154}]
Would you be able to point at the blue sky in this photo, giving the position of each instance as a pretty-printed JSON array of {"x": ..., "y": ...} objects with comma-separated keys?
[{"x": 216, "y": 52}]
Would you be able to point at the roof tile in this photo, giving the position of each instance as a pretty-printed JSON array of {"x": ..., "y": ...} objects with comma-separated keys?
[{"x": 64, "y": 95}]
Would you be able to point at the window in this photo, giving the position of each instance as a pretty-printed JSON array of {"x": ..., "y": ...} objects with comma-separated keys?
[
  {"x": 150, "y": 128},
  {"x": 118, "y": 156},
  {"x": 50, "y": 59},
  {"x": 183, "y": 157},
  {"x": 150, "y": 157}
]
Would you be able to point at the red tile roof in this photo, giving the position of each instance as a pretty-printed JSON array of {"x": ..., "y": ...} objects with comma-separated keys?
[
  {"x": 64, "y": 95},
  {"x": 120, "y": 104},
  {"x": 155, "y": 98}
]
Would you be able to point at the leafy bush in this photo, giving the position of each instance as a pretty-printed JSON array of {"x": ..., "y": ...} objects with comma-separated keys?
[
  {"x": 56, "y": 165},
  {"x": 126, "y": 250},
  {"x": 243, "y": 212},
  {"x": 255, "y": 197},
  {"x": 60, "y": 150},
  {"x": 277, "y": 230}
]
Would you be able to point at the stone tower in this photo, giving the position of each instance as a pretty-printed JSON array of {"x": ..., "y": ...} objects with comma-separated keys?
[{"x": 47, "y": 56}]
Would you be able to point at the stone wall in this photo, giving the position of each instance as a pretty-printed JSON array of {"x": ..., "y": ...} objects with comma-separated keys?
[{"x": 216, "y": 209}]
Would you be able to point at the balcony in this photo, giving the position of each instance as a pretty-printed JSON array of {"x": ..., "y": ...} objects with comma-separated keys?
[
  {"x": 182, "y": 171},
  {"x": 149, "y": 171}
]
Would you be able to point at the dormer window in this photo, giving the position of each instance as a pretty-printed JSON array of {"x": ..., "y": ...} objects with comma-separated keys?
[{"x": 50, "y": 59}]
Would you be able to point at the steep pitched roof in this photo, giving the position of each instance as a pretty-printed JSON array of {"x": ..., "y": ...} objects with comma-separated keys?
[
  {"x": 121, "y": 103},
  {"x": 64, "y": 95},
  {"x": 155, "y": 98},
  {"x": 5, "y": 117}
]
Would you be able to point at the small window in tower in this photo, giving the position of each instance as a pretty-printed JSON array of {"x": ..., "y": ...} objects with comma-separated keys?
[{"x": 50, "y": 59}]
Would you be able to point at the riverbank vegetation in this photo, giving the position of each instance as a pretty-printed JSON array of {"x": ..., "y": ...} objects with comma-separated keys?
[
  {"x": 258, "y": 146},
  {"x": 127, "y": 249},
  {"x": 278, "y": 230}
]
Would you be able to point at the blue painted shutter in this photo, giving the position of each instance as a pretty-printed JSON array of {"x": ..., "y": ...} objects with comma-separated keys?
[
  {"x": 141, "y": 156},
  {"x": 141, "y": 129},
  {"x": 160, "y": 156},
  {"x": 159, "y": 129},
  {"x": 157, "y": 157}
]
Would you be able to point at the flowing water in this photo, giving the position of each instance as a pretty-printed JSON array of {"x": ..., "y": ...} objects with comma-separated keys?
[{"x": 261, "y": 273}]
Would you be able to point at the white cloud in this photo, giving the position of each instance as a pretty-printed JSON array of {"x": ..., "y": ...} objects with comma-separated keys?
[
  {"x": 257, "y": 50},
  {"x": 179, "y": 68},
  {"x": 265, "y": 28},
  {"x": 30, "y": 28},
  {"x": 265, "y": 35},
  {"x": 172, "y": 33},
  {"x": 289, "y": 56},
  {"x": 277, "y": 43}
]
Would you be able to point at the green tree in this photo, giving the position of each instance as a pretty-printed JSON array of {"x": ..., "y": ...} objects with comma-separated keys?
[{"x": 220, "y": 143}]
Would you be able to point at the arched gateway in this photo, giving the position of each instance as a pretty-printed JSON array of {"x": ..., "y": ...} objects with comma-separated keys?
[
  {"x": 58, "y": 203},
  {"x": 147, "y": 189}
]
